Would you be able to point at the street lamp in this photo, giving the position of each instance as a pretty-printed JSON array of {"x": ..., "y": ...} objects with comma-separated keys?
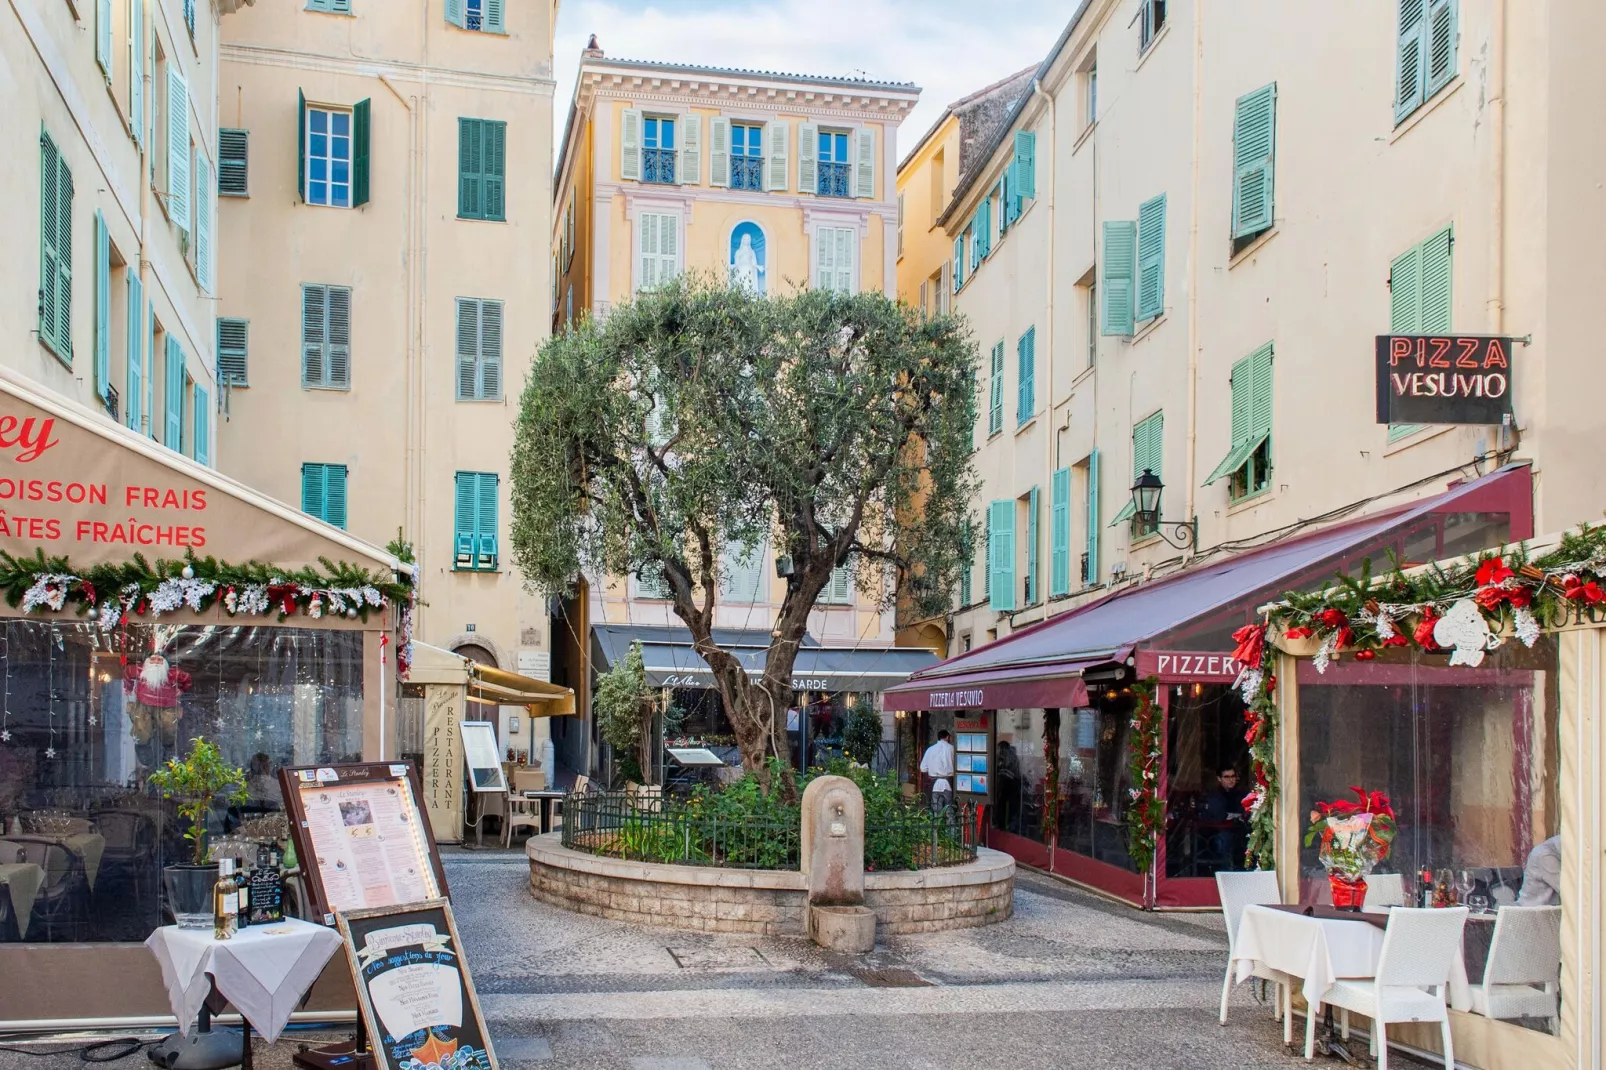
[{"x": 1146, "y": 512}]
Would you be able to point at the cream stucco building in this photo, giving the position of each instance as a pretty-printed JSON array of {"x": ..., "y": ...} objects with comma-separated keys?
[
  {"x": 110, "y": 112},
  {"x": 1180, "y": 248},
  {"x": 385, "y": 207}
]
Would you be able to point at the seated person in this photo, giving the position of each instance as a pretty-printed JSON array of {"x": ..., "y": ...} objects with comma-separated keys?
[
  {"x": 1541, "y": 877},
  {"x": 1222, "y": 811}
]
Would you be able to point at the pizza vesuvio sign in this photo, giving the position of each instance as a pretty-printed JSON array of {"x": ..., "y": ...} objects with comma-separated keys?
[{"x": 1443, "y": 378}]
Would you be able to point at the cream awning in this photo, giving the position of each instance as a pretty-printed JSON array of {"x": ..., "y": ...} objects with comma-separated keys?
[{"x": 489, "y": 686}]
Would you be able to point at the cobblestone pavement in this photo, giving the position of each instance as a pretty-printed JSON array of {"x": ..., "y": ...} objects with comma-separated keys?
[{"x": 1070, "y": 980}]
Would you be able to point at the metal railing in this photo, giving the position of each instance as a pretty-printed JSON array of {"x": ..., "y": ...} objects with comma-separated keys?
[
  {"x": 747, "y": 172},
  {"x": 696, "y": 832},
  {"x": 834, "y": 180},
  {"x": 658, "y": 165}
]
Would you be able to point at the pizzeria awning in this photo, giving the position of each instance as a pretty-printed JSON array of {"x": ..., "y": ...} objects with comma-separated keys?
[
  {"x": 670, "y": 661},
  {"x": 488, "y": 685},
  {"x": 1198, "y": 609}
]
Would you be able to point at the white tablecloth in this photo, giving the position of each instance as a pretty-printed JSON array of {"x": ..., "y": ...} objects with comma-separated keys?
[
  {"x": 263, "y": 970},
  {"x": 1320, "y": 951},
  {"x": 21, "y": 882}
]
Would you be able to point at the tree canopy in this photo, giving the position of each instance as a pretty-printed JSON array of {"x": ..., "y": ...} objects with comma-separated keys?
[{"x": 833, "y": 427}]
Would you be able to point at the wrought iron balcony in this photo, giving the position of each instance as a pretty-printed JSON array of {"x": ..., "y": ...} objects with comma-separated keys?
[
  {"x": 747, "y": 172},
  {"x": 834, "y": 180},
  {"x": 658, "y": 165}
]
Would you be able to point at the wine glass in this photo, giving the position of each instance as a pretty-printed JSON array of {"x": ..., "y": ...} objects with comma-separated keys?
[{"x": 1465, "y": 881}]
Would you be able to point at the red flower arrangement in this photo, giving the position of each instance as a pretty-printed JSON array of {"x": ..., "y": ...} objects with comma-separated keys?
[{"x": 1353, "y": 837}]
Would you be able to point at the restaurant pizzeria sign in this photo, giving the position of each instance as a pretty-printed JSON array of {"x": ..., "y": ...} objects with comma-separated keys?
[{"x": 1444, "y": 378}]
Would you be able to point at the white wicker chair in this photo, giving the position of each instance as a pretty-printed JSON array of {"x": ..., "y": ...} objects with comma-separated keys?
[
  {"x": 1385, "y": 890},
  {"x": 1239, "y": 890},
  {"x": 1524, "y": 951},
  {"x": 1419, "y": 949}
]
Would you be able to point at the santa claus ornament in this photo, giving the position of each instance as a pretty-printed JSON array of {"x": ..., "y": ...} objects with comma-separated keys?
[{"x": 151, "y": 696}]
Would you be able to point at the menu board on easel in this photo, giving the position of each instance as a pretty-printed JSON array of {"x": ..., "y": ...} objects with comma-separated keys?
[
  {"x": 972, "y": 751},
  {"x": 361, "y": 837}
]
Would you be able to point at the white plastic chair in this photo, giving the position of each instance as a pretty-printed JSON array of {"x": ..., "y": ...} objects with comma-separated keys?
[
  {"x": 1239, "y": 890},
  {"x": 1525, "y": 951},
  {"x": 521, "y": 813},
  {"x": 1385, "y": 890},
  {"x": 1419, "y": 949}
]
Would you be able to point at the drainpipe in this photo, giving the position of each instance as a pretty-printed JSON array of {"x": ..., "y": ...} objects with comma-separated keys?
[
  {"x": 1496, "y": 310},
  {"x": 1193, "y": 272},
  {"x": 412, "y": 476},
  {"x": 1048, "y": 323}
]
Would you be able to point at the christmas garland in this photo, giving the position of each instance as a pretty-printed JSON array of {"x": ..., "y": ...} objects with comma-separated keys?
[
  {"x": 1258, "y": 685},
  {"x": 1146, "y": 816},
  {"x": 1051, "y": 776}
]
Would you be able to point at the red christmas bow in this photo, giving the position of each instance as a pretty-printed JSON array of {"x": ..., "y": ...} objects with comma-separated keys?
[
  {"x": 1577, "y": 590},
  {"x": 1251, "y": 640},
  {"x": 1297, "y": 633},
  {"x": 1424, "y": 630}
]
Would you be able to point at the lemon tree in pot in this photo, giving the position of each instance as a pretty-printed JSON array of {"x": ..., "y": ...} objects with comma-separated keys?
[{"x": 196, "y": 780}]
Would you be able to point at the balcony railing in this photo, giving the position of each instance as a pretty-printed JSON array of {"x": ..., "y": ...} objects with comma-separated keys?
[
  {"x": 658, "y": 165},
  {"x": 834, "y": 180},
  {"x": 747, "y": 172}
]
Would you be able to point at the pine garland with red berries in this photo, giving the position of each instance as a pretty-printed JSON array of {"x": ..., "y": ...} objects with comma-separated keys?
[{"x": 1145, "y": 817}]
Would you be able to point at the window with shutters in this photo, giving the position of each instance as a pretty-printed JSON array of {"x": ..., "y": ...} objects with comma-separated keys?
[
  {"x": 1151, "y": 258},
  {"x": 323, "y": 492},
  {"x": 747, "y": 157},
  {"x": 657, "y": 249},
  {"x": 649, "y": 582},
  {"x": 334, "y": 7},
  {"x": 474, "y": 549},
  {"x": 482, "y": 169},
  {"x": 1026, "y": 383},
  {"x": 1151, "y": 17},
  {"x": 995, "y": 391},
  {"x": 134, "y": 399},
  {"x": 1001, "y": 590},
  {"x": 839, "y": 590},
  {"x": 1059, "y": 533},
  {"x": 836, "y": 253},
  {"x": 1118, "y": 269},
  {"x": 1027, "y": 504},
  {"x": 1420, "y": 296},
  {"x": 202, "y": 410},
  {"x": 481, "y": 16},
  {"x": 326, "y": 337},
  {"x": 233, "y": 160},
  {"x": 328, "y": 157},
  {"x": 103, "y": 313},
  {"x": 1424, "y": 52},
  {"x": 232, "y": 367},
  {"x": 136, "y": 71},
  {"x": 55, "y": 250},
  {"x": 1247, "y": 465},
  {"x": 479, "y": 349},
  {"x": 743, "y": 573},
  {"x": 1148, "y": 449},
  {"x": 1254, "y": 140},
  {"x": 967, "y": 565},
  {"x": 658, "y": 152},
  {"x": 835, "y": 167}
]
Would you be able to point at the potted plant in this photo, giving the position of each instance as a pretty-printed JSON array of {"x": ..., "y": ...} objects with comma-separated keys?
[
  {"x": 195, "y": 781},
  {"x": 1352, "y": 838}
]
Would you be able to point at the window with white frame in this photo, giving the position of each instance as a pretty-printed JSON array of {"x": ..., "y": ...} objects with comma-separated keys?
[
  {"x": 657, "y": 249},
  {"x": 835, "y": 259},
  {"x": 328, "y": 163}
]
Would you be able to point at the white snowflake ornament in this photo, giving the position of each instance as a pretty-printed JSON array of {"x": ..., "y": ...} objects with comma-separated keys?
[
  {"x": 1465, "y": 633},
  {"x": 5, "y": 735},
  {"x": 50, "y": 752}
]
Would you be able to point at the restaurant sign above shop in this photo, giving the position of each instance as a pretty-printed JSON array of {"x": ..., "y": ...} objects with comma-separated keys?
[
  {"x": 1183, "y": 666},
  {"x": 1443, "y": 378}
]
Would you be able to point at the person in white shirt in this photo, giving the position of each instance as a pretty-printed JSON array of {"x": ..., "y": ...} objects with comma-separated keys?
[
  {"x": 1541, "y": 877},
  {"x": 938, "y": 764}
]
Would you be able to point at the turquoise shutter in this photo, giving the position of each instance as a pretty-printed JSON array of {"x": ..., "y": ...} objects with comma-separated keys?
[
  {"x": 1436, "y": 283},
  {"x": 1148, "y": 446},
  {"x": 1059, "y": 533},
  {"x": 1151, "y": 258},
  {"x": 136, "y": 69},
  {"x": 486, "y": 521},
  {"x": 1032, "y": 504},
  {"x": 301, "y": 145},
  {"x": 1242, "y": 391},
  {"x": 1115, "y": 287},
  {"x": 454, "y": 13},
  {"x": 470, "y": 188},
  {"x": 55, "y": 250},
  {"x": 1260, "y": 391},
  {"x": 1251, "y": 411},
  {"x": 1410, "y": 74},
  {"x": 312, "y": 486},
  {"x": 334, "y": 491},
  {"x": 1001, "y": 555},
  {"x": 233, "y": 162},
  {"x": 1254, "y": 138},
  {"x": 996, "y": 392},
  {"x": 959, "y": 263},
  {"x": 103, "y": 37},
  {"x": 359, "y": 151},
  {"x": 984, "y": 229},
  {"x": 1026, "y": 393},
  {"x": 1092, "y": 509},
  {"x": 203, "y": 427},
  {"x": 1405, "y": 292},
  {"x": 152, "y": 424},
  {"x": 466, "y": 519},
  {"x": 103, "y": 307},
  {"x": 132, "y": 401},
  {"x": 1026, "y": 163},
  {"x": 178, "y": 149},
  {"x": 173, "y": 395},
  {"x": 494, "y": 181},
  {"x": 494, "y": 17},
  {"x": 1440, "y": 34}
]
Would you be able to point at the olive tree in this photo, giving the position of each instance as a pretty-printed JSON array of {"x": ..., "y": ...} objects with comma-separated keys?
[{"x": 834, "y": 427}]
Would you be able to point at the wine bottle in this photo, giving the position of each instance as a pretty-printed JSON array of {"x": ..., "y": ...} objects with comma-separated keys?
[
  {"x": 224, "y": 900},
  {"x": 242, "y": 886}
]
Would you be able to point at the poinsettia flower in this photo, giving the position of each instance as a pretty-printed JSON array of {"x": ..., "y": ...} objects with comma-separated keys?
[
  {"x": 1424, "y": 630},
  {"x": 1578, "y": 590},
  {"x": 1520, "y": 597},
  {"x": 1298, "y": 633},
  {"x": 1396, "y": 640},
  {"x": 1493, "y": 571},
  {"x": 1331, "y": 617},
  {"x": 1490, "y": 597}
]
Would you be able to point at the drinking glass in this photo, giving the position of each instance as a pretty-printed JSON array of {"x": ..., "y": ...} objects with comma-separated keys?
[
  {"x": 1478, "y": 903},
  {"x": 1465, "y": 881}
]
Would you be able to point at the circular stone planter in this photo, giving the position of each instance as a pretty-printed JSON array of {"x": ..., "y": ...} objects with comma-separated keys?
[{"x": 764, "y": 902}]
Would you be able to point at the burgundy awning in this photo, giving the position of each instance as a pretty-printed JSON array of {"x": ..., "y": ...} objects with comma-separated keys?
[{"x": 1060, "y": 686}]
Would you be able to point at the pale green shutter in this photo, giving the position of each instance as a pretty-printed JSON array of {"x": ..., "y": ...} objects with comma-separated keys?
[
  {"x": 339, "y": 328},
  {"x": 1091, "y": 508},
  {"x": 967, "y": 565},
  {"x": 312, "y": 486},
  {"x": 1120, "y": 267},
  {"x": 995, "y": 390},
  {"x": 630, "y": 144},
  {"x": 103, "y": 307},
  {"x": 470, "y": 155},
  {"x": 466, "y": 520},
  {"x": 719, "y": 151},
  {"x": 1436, "y": 283},
  {"x": 203, "y": 223},
  {"x": 454, "y": 13},
  {"x": 1026, "y": 163},
  {"x": 203, "y": 427},
  {"x": 136, "y": 69},
  {"x": 494, "y": 17},
  {"x": 55, "y": 250},
  {"x": 689, "y": 160},
  {"x": 1151, "y": 258},
  {"x": 1031, "y": 546},
  {"x": 173, "y": 395},
  {"x": 133, "y": 402},
  {"x": 1243, "y": 373},
  {"x": 984, "y": 229},
  {"x": 777, "y": 145},
  {"x": 959, "y": 263},
  {"x": 1410, "y": 57},
  {"x": 864, "y": 166},
  {"x": 1405, "y": 311},
  {"x": 468, "y": 346},
  {"x": 1026, "y": 392},
  {"x": 808, "y": 158},
  {"x": 152, "y": 424},
  {"x": 103, "y": 37},
  {"x": 314, "y": 340},
  {"x": 1440, "y": 36},
  {"x": 1148, "y": 446},
  {"x": 1254, "y": 138},
  {"x": 1251, "y": 411},
  {"x": 839, "y": 590},
  {"x": 1001, "y": 555},
  {"x": 486, "y": 547},
  {"x": 1260, "y": 398},
  {"x": 490, "y": 350},
  {"x": 178, "y": 149},
  {"x": 1059, "y": 533},
  {"x": 743, "y": 571}
]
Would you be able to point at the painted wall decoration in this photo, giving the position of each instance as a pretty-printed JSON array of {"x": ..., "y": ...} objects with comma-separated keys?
[{"x": 747, "y": 259}]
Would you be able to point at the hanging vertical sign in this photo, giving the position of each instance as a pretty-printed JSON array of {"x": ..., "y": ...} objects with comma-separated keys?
[{"x": 1443, "y": 378}]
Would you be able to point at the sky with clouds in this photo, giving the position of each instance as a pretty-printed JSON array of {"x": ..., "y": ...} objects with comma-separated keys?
[{"x": 947, "y": 47}]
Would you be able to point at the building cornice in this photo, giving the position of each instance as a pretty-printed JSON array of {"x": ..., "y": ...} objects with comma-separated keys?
[
  {"x": 715, "y": 92},
  {"x": 293, "y": 59}
]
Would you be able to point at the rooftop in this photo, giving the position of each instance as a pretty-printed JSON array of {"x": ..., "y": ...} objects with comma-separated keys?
[{"x": 744, "y": 72}]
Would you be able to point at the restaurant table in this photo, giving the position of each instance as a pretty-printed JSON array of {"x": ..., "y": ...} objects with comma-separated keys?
[
  {"x": 1323, "y": 947},
  {"x": 22, "y": 881},
  {"x": 546, "y": 798},
  {"x": 263, "y": 970}
]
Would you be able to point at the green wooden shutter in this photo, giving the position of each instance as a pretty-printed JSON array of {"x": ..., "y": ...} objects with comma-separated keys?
[
  {"x": 984, "y": 229},
  {"x": 1026, "y": 392},
  {"x": 1032, "y": 505},
  {"x": 136, "y": 69},
  {"x": 55, "y": 250},
  {"x": 314, "y": 335},
  {"x": 233, "y": 367},
  {"x": 839, "y": 590},
  {"x": 1440, "y": 37},
  {"x": 494, "y": 181},
  {"x": 486, "y": 548},
  {"x": 203, "y": 427},
  {"x": 1405, "y": 292},
  {"x": 152, "y": 424},
  {"x": 172, "y": 394},
  {"x": 1120, "y": 267},
  {"x": 1243, "y": 373},
  {"x": 1436, "y": 302},
  {"x": 494, "y": 17},
  {"x": 959, "y": 263},
  {"x": 995, "y": 391},
  {"x": 1059, "y": 533},
  {"x": 360, "y": 123},
  {"x": 808, "y": 158},
  {"x": 334, "y": 491},
  {"x": 1001, "y": 555},
  {"x": 233, "y": 162},
  {"x": 719, "y": 151},
  {"x": 1091, "y": 510},
  {"x": 1410, "y": 57},
  {"x": 339, "y": 334},
  {"x": 103, "y": 37},
  {"x": 301, "y": 145},
  {"x": 1151, "y": 258},
  {"x": 133, "y": 401},
  {"x": 1251, "y": 411},
  {"x": 967, "y": 564},
  {"x": 1148, "y": 447},
  {"x": 203, "y": 223},
  {"x": 466, "y": 519},
  {"x": 490, "y": 350},
  {"x": 103, "y": 308},
  {"x": 178, "y": 149},
  {"x": 777, "y": 147},
  {"x": 1260, "y": 397},
  {"x": 454, "y": 13},
  {"x": 1026, "y": 163},
  {"x": 1254, "y": 138},
  {"x": 470, "y": 156},
  {"x": 312, "y": 487}
]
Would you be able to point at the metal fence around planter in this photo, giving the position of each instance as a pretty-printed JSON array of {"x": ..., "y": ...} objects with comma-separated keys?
[{"x": 641, "y": 828}]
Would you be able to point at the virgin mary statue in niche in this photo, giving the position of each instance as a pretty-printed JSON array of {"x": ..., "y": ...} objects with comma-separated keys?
[{"x": 747, "y": 258}]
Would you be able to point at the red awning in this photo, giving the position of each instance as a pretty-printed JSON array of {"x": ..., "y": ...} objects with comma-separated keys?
[{"x": 1056, "y": 686}]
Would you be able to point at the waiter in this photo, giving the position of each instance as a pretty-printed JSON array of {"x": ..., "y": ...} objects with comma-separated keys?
[{"x": 938, "y": 763}]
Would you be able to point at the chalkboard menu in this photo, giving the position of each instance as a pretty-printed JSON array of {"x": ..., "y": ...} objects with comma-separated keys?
[{"x": 414, "y": 991}]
